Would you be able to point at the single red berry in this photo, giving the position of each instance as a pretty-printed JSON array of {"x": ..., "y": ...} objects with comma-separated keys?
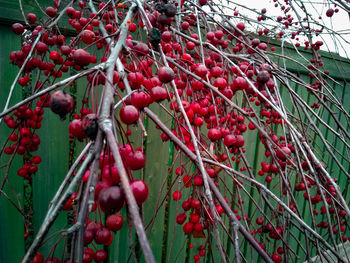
[
  {"x": 129, "y": 114},
  {"x": 140, "y": 190},
  {"x": 329, "y": 12},
  {"x": 132, "y": 27},
  {"x": 159, "y": 93},
  {"x": 259, "y": 221},
  {"x": 61, "y": 103},
  {"x": 214, "y": 134},
  {"x": 100, "y": 255},
  {"x": 111, "y": 199},
  {"x": 181, "y": 218},
  {"x": 87, "y": 36},
  {"x": 102, "y": 236},
  {"x": 114, "y": 222},
  {"x": 230, "y": 140},
  {"x": 239, "y": 141},
  {"x": 81, "y": 57},
  {"x": 75, "y": 129},
  {"x": 177, "y": 195},
  {"x": 201, "y": 70},
  {"x": 140, "y": 99},
  {"x": 17, "y": 28},
  {"x": 55, "y": 56},
  {"x": 188, "y": 228},
  {"x": 136, "y": 160},
  {"x": 31, "y": 18},
  {"x": 165, "y": 74},
  {"x": 38, "y": 258},
  {"x": 276, "y": 258},
  {"x": 141, "y": 49},
  {"x": 51, "y": 11}
]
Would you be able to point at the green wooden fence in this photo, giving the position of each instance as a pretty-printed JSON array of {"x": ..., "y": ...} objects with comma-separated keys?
[{"x": 55, "y": 150}]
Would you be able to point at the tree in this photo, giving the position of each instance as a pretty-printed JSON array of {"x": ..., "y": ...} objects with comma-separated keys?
[{"x": 216, "y": 75}]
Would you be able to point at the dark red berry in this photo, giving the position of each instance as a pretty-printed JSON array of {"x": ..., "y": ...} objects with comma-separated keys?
[
  {"x": 111, "y": 199},
  {"x": 140, "y": 191},
  {"x": 114, "y": 222},
  {"x": 61, "y": 103}
]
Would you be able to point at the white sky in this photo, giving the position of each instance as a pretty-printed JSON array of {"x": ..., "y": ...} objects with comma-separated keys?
[{"x": 339, "y": 23}]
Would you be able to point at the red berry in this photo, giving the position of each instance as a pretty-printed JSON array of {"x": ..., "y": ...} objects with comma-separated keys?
[
  {"x": 195, "y": 204},
  {"x": 75, "y": 129},
  {"x": 81, "y": 57},
  {"x": 65, "y": 50},
  {"x": 132, "y": 27},
  {"x": 177, "y": 195},
  {"x": 198, "y": 121},
  {"x": 61, "y": 103},
  {"x": 201, "y": 70},
  {"x": 114, "y": 222},
  {"x": 329, "y": 12},
  {"x": 286, "y": 152},
  {"x": 188, "y": 228},
  {"x": 214, "y": 134},
  {"x": 38, "y": 258},
  {"x": 50, "y": 11},
  {"x": 111, "y": 199},
  {"x": 54, "y": 55},
  {"x": 8, "y": 150},
  {"x": 194, "y": 218},
  {"x": 230, "y": 140},
  {"x": 129, "y": 114},
  {"x": 102, "y": 236},
  {"x": 198, "y": 180},
  {"x": 159, "y": 93},
  {"x": 198, "y": 227},
  {"x": 88, "y": 236},
  {"x": 165, "y": 74},
  {"x": 22, "y": 172},
  {"x": 240, "y": 26},
  {"x": 100, "y": 255},
  {"x": 276, "y": 258},
  {"x": 140, "y": 191},
  {"x": 70, "y": 12},
  {"x": 239, "y": 141},
  {"x": 259, "y": 221},
  {"x": 166, "y": 36},
  {"x": 136, "y": 160},
  {"x": 17, "y": 28},
  {"x": 140, "y": 99},
  {"x": 87, "y": 36},
  {"x": 185, "y": 25},
  {"x": 181, "y": 218},
  {"x": 31, "y": 18},
  {"x": 125, "y": 150},
  {"x": 141, "y": 49}
]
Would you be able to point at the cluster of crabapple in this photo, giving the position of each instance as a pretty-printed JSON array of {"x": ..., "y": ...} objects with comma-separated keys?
[
  {"x": 109, "y": 196},
  {"x": 25, "y": 141}
]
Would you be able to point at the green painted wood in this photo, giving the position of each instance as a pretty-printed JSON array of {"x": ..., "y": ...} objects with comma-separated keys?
[
  {"x": 55, "y": 148},
  {"x": 11, "y": 227},
  {"x": 10, "y": 11}
]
